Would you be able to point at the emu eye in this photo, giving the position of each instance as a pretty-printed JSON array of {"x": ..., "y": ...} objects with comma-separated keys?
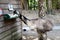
[{"x": 24, "y": 29}]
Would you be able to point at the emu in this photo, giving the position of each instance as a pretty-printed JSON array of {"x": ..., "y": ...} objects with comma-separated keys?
[{"x": 41, "y": 25}]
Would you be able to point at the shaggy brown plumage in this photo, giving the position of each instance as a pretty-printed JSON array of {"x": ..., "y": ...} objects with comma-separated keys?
[{"x": 40, "y": 25}]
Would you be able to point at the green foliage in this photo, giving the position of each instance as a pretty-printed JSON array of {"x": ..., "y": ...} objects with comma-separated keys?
[
  {"x": 33, "y": 4},
  {"x": 56, "y": 4}
]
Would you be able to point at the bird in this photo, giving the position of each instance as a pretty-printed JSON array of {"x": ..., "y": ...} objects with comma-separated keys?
[{"x": 41, "y": 25}]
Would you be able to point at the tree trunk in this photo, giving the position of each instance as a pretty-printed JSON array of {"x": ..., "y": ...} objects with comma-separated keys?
[
  {"x": 49, "y": 6},
  {"x": 24, "y": 4},
  {"x": 42, "y": 8}
]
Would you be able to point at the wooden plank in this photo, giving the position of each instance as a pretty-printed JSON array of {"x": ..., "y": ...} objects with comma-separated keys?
[
  {"x": 17, "y": 23},
  {"x": 7, "y": 33},
  {"x": 4, "y": 29},
  {"x": 3, "y": 1},
  {"x": 9, "y": 24},
  {"x": 5, "y": 6},
  {"x": 14, "y": 2},
  {"x": 1, "y": 18},
  {"x": 14, "y": 36},
  {"x": 6, "y": 11},
  {"x": 9, "y": 1},
  {"x": 1, "y": 24},
  {"x": 7, "y": 27}
]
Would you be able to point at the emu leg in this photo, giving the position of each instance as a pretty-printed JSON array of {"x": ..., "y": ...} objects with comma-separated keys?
[
  {"x": 20, "y": 38},
  {"x": 43, "y": 36}
]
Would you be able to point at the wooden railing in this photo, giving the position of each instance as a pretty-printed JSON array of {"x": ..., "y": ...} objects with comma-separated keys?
[{"x": 9, "y": 28}]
